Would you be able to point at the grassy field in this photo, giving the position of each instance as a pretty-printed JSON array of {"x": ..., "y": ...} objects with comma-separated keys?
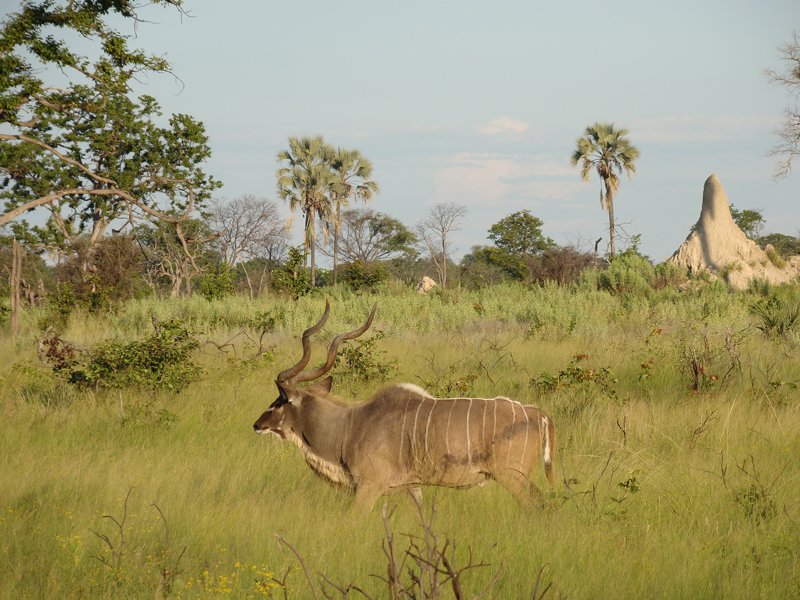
[{"x": 678, "y": 460}]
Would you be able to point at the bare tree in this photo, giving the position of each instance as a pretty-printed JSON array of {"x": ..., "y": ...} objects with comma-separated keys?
[
  {"x": 171, "y": 251},
  {"x": 247, "y": 227},
  {"x": 789, "y": 133},
  {"x": 434, "y": 232}
]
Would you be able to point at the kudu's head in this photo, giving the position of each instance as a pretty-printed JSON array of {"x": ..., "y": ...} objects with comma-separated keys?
[{"x": 282, "y": 414}]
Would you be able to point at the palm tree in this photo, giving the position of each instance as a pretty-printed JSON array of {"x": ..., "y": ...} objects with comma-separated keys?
[
  {"x": 305, "y": 181},
  {"x": 352, "y": 174},
  {"x": 610, "y": 153}
]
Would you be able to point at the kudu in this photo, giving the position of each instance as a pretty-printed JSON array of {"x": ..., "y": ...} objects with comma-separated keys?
[{"x": 404, "y": 438}]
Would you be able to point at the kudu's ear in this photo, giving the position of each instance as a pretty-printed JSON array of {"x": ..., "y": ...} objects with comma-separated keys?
[
  {"x": 282, "y": 391},
  {"x": 283, "y": 396},
  {"x": 323, "y": 386}
]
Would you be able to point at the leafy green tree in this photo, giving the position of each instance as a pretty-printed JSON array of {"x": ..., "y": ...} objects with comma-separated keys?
[
  {"x": 369, "y": 236},
  {"x": 217, "y": 282},
  {"x": 292, "y": 276},
  {"x": 487, "y": 265},
  {"x": 115, "y": 273},
  {"x": 519, "y": 237},
  {"x": 749, "y": 220},
  {"x": 352, "y": 179},
  {"x": 520, "y": 234},
  {"x": 306, "y": 181},
  {"x": 609, "y": 152},
  {"x": 88, "y": 150},
  {"x": 786, "y": 245},
  {"x": 359, "y": 275}
]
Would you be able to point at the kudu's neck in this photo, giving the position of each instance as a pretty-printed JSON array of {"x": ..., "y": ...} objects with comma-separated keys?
[{"x": 323, "y": 426}]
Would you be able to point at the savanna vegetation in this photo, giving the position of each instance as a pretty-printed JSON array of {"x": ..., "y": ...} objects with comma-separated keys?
[
  {"x": 143, "y": 321},
  {"x": 130, "y": 467}
]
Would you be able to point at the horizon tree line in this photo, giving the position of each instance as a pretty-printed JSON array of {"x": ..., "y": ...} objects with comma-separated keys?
[{"x": 96, "y": 158}]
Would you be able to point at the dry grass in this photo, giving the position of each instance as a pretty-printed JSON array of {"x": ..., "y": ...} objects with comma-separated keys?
[{"x": 663, "y": 492}]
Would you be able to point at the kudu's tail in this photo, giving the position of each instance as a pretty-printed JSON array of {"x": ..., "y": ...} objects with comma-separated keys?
[{"x": 549, "y": 447}]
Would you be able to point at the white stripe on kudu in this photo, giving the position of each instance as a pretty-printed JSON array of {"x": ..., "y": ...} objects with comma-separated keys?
[
  {"x": 447, "y": 431},
  {"x": 483, "y": 429},
  {"x": 403, "y": 429},
  {"x": 428, "y": 426},
  {"x": 469, "y": 445},
  {"x": 416, "y": 415},
  {"x": 511, "y": 429}
]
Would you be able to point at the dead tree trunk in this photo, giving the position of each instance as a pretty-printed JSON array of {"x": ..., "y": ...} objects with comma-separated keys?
[{"x": 15, "y": 283}]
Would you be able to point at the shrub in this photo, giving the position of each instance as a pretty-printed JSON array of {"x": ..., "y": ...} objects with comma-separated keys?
[
  {"x": 60, "y": 304},
  {"x": 629, "y": 273},
  {"x": 359, "y": 275},
  {"x": 667, "y": 274},
  {"x": 576, "y": 387},
  {"x": 576, "y": 376},
  {"x": 776, "y": 316},
  {"x": 218, "y": 283},
  {"x": 774, "y": 257},
  {"x": 292, "y": 277},
  {"x": 362, "y": 361},
  {"x": 562, "y": 265},
  {"x": 708, "y": 358},
  {"x": 759, "y": 286},
  {"x": 162, "y": 361}
]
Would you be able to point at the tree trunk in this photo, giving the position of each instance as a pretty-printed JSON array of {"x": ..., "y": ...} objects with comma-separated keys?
[
  {"x": 305, "y": 238},
  {"x": 611, "y": 224},
  {"x": 14, "y": 284},
  {"x": 249, "y": 283},
  {"x": 336, "y": 224},
  {"x": 261, "y": 280},
  {"x": 443, "y": 269},
  {"x": 312, "y": 246}
]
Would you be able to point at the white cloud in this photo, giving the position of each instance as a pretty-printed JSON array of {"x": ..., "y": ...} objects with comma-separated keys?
[{"x": 503, "y": 125}]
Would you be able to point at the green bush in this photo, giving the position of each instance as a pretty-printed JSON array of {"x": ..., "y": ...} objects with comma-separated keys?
[
  {"x": 292, "y": 277},
  {"x": 162, "y": 361},
  {"x": 668, "y": 274},
  {"x": 218, "y": 283},
  {"x": 776, "y": 316},
  {"x": 359, "y": 275},
  {"x": 363, "y": 362},
  {"x": 628, "y": 274}
]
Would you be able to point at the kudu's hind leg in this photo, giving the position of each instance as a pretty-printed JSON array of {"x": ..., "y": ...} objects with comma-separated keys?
[
  {"x": 521, "y": 487},
  {"x": 367, "y": 494}
]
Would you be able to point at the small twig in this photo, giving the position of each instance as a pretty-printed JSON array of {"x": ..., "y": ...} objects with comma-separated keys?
[
  {"x": 302, "y": 562},
  {"x": 623, "y": 427},
  {"x": 536, "y": 594}
]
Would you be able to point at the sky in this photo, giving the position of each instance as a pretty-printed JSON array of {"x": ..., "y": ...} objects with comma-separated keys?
[{"x": 480, "y": 103}]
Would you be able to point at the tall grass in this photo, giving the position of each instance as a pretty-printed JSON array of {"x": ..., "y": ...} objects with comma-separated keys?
[{"x": 664, "y": 490}]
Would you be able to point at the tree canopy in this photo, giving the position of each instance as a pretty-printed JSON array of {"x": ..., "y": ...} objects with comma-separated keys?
[
  {"x": 77, "y": 140},
  {"x": 608, "y": 151},
  {"x": 749, "y": 220},
  {"x": 370, "y": 236},
  {"x": 305, "y": 181},
  {"x": 520, "y": 234}
]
